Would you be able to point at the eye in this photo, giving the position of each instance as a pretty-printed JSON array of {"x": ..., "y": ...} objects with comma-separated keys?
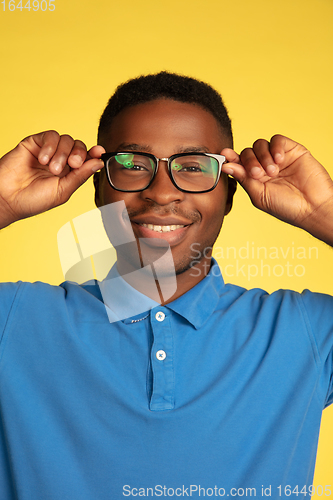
[
  {"x": 134, "y": 166},
  {"x": 188, "y": 167},
  {"x": 133, "y": 163}
]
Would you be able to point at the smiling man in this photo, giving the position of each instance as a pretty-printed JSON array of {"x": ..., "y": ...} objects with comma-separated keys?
[
  {"x": 216, "y": 391},
  {"x": 161, "y": 210}
]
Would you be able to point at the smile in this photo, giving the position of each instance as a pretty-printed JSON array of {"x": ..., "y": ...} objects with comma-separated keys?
[{"x": 162, "y": 229}]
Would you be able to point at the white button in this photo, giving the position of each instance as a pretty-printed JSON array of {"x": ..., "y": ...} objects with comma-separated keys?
[
  {"x": 160, "y": 316},
  {"x": 161, "y": 355}
]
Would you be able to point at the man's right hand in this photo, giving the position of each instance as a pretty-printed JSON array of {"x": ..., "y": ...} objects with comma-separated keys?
[{"x": 42, "y": 172}]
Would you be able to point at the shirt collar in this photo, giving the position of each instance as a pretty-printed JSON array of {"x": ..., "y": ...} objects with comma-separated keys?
[
  {"x": 199, "y": 303},
  {"x": 123, "y": 302}
]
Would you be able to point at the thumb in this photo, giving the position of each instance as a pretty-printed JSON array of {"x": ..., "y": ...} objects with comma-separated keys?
[{"x": 234, "y": 167}]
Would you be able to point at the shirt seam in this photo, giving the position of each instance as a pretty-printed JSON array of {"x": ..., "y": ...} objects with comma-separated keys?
[
  {"x": 310, "y": 333},
  {"x": 9, "y": 320},
  {"x": 313, "y": 342}
]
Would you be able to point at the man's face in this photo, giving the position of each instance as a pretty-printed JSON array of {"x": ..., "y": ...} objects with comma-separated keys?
[{"x": 165, "y": 127}]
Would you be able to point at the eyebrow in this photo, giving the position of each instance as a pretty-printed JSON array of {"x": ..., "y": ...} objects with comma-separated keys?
[{"x": 125, "y": 146}]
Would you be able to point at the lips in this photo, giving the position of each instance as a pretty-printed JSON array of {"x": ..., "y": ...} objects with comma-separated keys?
[
  {"x": 161, "y": 220},
  {"x": 169, "y": 230}
]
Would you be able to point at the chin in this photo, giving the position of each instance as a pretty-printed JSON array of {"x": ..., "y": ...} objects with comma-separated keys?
[{"x": 185, "y": 265}]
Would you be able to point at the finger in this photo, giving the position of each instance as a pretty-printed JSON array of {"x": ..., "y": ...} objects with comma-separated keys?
[
  {"x": 95, "y": 153},
  {"x": 76, "y": 177},
  {"x": 47, "y": 142},
  {"x": 233, "y": 165},
  {"x": 238, "y": 172},
  {"x": 92, "y": 156},
  {"x": 60, "y": 157},
  {"x": 231, "y": 157},
  {"x": 42, "y": 146},
  {"x": 78, "y": 154},
  {"x": 280, "y": 146},
  {"x": 258, "y": 161},
  {"x": 262, "y": 150},
  {"x": 253, "y": 187}
]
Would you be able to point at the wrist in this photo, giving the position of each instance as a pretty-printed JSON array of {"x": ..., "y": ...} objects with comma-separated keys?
[
  {"x": 320, "y": 222},
  {"x": 6, "y": 218}
]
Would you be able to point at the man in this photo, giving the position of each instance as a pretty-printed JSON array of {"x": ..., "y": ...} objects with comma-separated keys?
[{"x": 215, "y": 391}]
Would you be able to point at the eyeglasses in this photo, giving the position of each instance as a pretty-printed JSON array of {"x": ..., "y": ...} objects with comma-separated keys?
[{"x": 189, "y": 172}]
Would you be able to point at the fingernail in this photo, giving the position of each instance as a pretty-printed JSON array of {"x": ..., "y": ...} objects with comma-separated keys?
[
  {"x": 45, "y": 159},
  {"x": 278, "y": 157},
  {"x": 56, "y": 167},
  {"x": 271, "y": 169},
  {"x": 77, "y": 159},
  {"x": 255, "y": 171},
  {"x": 97, "y": 167}
]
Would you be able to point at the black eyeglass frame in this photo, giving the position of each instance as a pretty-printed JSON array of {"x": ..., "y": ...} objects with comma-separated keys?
[{"x": 106, "y": 157}]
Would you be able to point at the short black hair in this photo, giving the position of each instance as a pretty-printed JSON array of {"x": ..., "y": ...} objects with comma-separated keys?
[{"x": 165, "y": 85}]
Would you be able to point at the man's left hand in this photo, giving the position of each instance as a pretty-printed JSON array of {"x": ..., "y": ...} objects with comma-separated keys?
[{"x": 283, "y": 179}]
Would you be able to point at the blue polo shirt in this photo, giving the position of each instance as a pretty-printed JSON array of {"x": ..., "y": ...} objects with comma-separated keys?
[{"x": 219, "y": 393}]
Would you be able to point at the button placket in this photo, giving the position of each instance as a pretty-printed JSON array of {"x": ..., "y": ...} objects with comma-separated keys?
[{"x": 162, "y": 396}]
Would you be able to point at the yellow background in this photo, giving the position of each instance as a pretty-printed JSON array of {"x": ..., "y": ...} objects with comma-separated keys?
[{"x": 271, "y": 61}]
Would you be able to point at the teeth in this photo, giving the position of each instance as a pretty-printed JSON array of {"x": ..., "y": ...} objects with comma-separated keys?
[{"x": 161, "y": 229}]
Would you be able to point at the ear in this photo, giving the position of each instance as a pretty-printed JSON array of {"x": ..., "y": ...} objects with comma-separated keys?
[
  {"x": 96, "y": 179},
  {"x": 232, "y": 186}
]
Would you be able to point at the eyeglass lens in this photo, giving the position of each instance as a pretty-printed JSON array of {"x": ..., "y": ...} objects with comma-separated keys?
[{"x": 131, "y": 172}]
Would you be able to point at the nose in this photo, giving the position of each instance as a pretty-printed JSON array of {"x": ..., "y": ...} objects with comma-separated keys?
[{"x": 162, "y": 190}]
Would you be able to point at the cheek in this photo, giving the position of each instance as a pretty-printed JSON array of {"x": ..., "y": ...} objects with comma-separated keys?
[
  {"x": 108, "y": 194},
  {"x": 214, "y": 204}
]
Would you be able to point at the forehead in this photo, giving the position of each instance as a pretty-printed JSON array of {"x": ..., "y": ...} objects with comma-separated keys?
[{"x": 163, "y": 126}]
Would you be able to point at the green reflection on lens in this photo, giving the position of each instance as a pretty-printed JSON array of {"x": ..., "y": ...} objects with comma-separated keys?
[
  {"x": 125, "y": 160},
  {"x": 176, "y": 166},
  {"x": 214, "y": 166}
]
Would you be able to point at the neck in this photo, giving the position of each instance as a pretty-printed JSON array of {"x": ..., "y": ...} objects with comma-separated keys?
[{"x": 159, "y": 280}]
